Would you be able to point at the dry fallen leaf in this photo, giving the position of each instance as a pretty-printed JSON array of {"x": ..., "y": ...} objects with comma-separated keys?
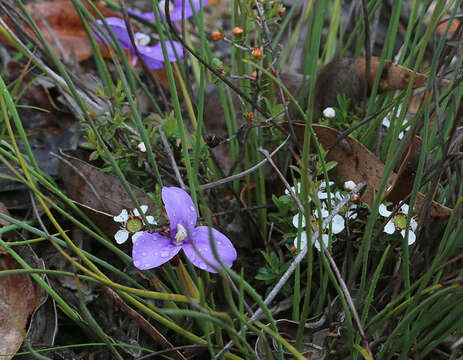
[
  {"x": 100, "y": 195},
  {"x": 65, "y": 23},
  {"x": 393, "y": 76},
  {"x": 17, "y": 301}
]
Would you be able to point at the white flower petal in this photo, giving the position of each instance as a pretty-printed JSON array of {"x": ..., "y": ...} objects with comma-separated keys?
[
  {"x": 122, "y": 217},
  {"x": 349, "y": 185},
  {"x": 386, "y": 122},
  {"x": 337, "y": 225},
  {"x": 401, "y": 135},
  {"x": 404, "y": 208},
  {"x": 325, "y": 213},
  {"x": 322, "y": 195},
  {"x": 121, "y": 236},
  {"x": 383, "y": 211},
  {"x": 413, "y": 224},
  {"x": 303, "y": 241},
  {"x": 136, "y": 236},
  {"x": 151, "y": 220},
  {"x": 325, "y": 239},
  {"x": 143, "y": 208},
  {"x": 297, "y": 222},
  {"x": 411, "y": 236},
  {"x": 389, "y": 228}
]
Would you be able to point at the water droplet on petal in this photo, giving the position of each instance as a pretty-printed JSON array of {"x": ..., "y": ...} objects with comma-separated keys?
[
  {"x": 164, "y": 253},
  {"x": 202, "y": 265},
  {"x": 219, "y": 242},
  {"x": 137, "y": 263},
  {"x": 143, "y": 253}
]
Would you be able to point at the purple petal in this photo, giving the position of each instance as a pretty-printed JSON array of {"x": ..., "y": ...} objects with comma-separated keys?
[
  {"x": 152, "y": 249},
  {"x": 154, "y": 57},
  {"x": 148, "y": 16},
  {"x": 200, "y": 236},
  {"x": 180, "y": 209},
  {"x": 117, "y": 25}
]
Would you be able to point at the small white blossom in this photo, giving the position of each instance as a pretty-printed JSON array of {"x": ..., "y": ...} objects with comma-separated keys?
[
  {"x": 399, "y": 222},
  {"x": 337, "y": 225},
  {"x": 387, "y": 123},
  {"x": 141, "y": 147},
  {"x": 349, "y": 185},
  {"x": 329, "y": 113},
  {"x": 131, "y": 224}
]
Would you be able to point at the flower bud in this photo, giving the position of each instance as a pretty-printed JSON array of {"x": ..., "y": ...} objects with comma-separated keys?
[
  {"x": 217, "y": 35},
  {"x": 141, "y": 147},
  {"x": 237, "y": 31},
  {"x": 281, "y": 11},
  {"x": 256, "y": 53},
  {"x": 329, "y": 113},
  {"x": 254, "y": 75},
  {"x": 250, "y": 116}
]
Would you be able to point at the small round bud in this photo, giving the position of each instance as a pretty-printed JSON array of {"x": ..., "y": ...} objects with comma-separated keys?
[
  {"x": 349, "y": 185},
  {"x": 281, "y": 11},
  {"x": 217, "y": 35},
  {"x": 254, "y": 75},
  {"x": 141, "y": 147},
  {"x": 256, "y": 53},
  {"x": 329, "y": 113},
  {"x": 250, "y": 116},
  {"x": 237, "y": 31}
]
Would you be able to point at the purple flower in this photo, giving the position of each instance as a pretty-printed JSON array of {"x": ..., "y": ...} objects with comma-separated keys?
[
  {"x": 175, "y": 10},
  {"x": 153, "y": 249},
  {"x": 151, "y": 54}
]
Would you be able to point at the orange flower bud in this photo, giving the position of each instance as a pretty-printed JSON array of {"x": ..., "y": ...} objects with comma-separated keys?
[
  {"x": 250, "y": 116},
  {"x": 217, "y": 35},
  {"x": 254, "y": 75},
  {"x": 256, "y": 53},
  {"x": 237, "y": 31},
  {"x": 281, "y": 11}
]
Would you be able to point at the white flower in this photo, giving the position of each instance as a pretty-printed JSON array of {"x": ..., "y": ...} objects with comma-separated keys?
[
  {"x": 387, "y": 123},
  {"x": 337, "y": 225},
  {"x": 329, "y": 113},
  {"x": 296, "y": 189},
  {"x": 141, "y": 147},
  {"x": 349, "y": 185},
  {"x": 399, "y": 222},
  {"x": 132, "y": 224},
  {"x": 321, "y": 190}
]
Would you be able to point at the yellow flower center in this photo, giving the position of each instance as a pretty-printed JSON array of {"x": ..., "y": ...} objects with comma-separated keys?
[{"x": 181, "y": 234}]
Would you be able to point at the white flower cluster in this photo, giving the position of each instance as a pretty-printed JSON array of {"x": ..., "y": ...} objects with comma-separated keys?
[{"x": 338, "y": 221}]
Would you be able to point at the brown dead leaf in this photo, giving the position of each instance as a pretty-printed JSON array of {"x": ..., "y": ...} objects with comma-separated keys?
[
  {"x": 63, "y": 19},
  {"x": 393, "y": 76},
  {"x": 17, "y": 301},
  {"x": 405, "y": 178},
  {"x": 355, "y": 162},
  {"x": 100, "y": 195},
  {"x": 4, "y": 210}
]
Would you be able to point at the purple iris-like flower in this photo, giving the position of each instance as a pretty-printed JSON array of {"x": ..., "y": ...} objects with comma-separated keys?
[
  {"x": 152, "y": 55},
  {"x": 153, "y": 249},
  {"x": 175, "y": 10}
]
